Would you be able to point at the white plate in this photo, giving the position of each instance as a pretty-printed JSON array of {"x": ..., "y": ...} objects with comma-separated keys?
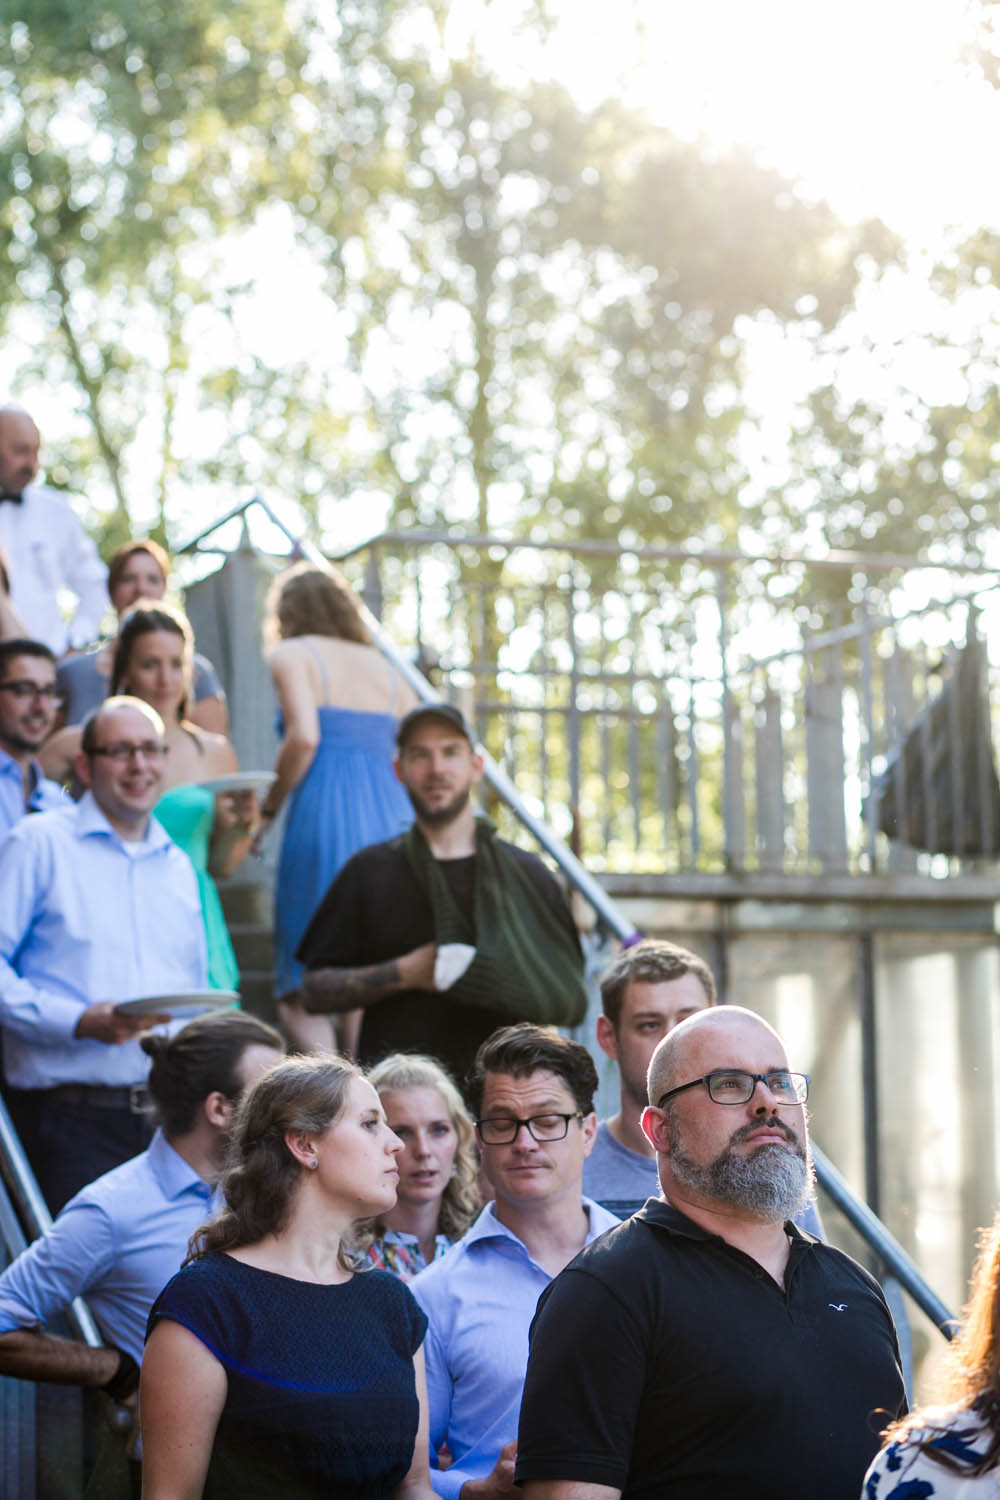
[
  {"x": 239, "y": 781},
  {"x": 181, "y": 1003}
]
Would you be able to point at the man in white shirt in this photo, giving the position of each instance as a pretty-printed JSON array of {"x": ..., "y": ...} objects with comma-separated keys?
[{"x": 47, "y": 549}]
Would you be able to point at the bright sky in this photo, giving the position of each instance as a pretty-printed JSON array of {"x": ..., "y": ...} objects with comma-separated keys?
[{"x": 863, "y": 100}]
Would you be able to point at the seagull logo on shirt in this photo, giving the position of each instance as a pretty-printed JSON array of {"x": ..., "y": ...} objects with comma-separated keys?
[{"x": 837, "y": 1306}]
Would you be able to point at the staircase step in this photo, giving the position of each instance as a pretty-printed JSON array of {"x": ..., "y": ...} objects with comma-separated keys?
[
  {"x": 247, "y": 903},
  {"x": 257, "y": 995},
  {"x": 253, "y": 945}
]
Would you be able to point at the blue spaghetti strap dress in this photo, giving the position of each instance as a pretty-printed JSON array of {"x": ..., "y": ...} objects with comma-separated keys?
[{"x": 348, "y": 798}]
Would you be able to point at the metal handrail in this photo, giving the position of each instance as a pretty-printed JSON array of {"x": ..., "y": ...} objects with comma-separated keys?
[
  {"x": 867, "y": 1224},
  {"x": 878, "y": 1238},
  {"x": 35, "y": 1217}
]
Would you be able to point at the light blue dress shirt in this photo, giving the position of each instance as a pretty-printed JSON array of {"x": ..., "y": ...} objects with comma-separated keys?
[
  {"x": 46, "y": 795},
  {"x": 84, "y": 918},
  {"x": 117, "y": 1243},
  {"x": 480, "y": 1299}
]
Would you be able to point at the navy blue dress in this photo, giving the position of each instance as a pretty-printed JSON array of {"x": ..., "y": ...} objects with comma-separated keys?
[{"x": 321, "y": 1398}]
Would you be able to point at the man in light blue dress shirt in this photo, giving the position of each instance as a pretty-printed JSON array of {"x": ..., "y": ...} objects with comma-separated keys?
[
  {"x": 119, "y": 1241},
  {"x": 28, "y": 698},
  {"x": 97, "y": 906},
  {"x": 533, "y": 1092}
]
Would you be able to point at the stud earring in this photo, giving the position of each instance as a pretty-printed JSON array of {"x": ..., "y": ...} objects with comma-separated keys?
[{"x": 312, "y": 1163}]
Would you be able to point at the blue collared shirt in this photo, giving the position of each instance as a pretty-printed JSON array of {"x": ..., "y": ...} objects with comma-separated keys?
[
  {"x": 117, "y": 1243},
  {"x": 480, "y": 1299},
  {"x": 45, "y": 796},
  {"x": 85, "y": 918}
]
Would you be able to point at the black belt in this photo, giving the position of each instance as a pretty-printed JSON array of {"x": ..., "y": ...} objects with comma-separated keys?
[{"x": 135, "y": 1098}]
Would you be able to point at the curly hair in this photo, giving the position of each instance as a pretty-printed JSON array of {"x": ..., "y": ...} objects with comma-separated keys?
[
  {"x": 971, "y": 1378},
  {"x": 309, "y": 600},
  {"x": 144, "y": 619},
  {"x": 460, "y": 1202},
  {"x": 261, "y": 1176}
]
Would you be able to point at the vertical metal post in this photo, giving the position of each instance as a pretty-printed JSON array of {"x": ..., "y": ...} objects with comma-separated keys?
[
  {"x": 868, "y": 722},
  {"x": 573, "y": 718},
  {"x": 371, "y": 589},
  {"x": 693, "y": 777},
  {"x": 869, "y": 1070},
  {"x": 728, "y": 790}
]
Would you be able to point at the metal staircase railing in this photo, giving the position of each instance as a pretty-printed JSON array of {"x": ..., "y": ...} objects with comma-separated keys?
[{"x": 886, "y": 1250}]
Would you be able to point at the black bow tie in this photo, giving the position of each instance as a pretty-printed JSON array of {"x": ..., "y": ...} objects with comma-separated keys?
[{"x": 14, "y": 499}]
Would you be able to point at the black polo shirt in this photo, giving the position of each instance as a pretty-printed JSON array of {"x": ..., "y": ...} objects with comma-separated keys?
[{"x": 664, "y": 1362}]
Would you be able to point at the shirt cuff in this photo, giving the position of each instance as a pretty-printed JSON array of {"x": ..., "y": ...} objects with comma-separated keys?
[
  {"x": 53, "y": 1024},
  {"x": 448, "y": 1482}
]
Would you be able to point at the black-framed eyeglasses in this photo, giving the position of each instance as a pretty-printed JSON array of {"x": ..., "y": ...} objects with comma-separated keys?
[
  {"x": 502, "y": 1130},
  {"x": 733, "y": 1086},
  {"x": 24, "y": 691},
  {"x": 121, "y": 753}
]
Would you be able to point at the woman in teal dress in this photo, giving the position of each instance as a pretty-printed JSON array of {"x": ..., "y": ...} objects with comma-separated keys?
[{"x": 153, "y": 662}]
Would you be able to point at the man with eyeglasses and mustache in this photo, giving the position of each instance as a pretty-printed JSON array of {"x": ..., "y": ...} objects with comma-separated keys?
[
  {"x": 707, "y": 1347},
  {"x": 97, "y": 906},
  {"x": 28, "y": 698}
]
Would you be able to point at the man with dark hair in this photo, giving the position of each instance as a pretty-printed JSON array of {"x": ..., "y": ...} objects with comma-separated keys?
[
  {"x": 706, "y": 1347},
  {"x": 119, "y": 1241},
  {"x": 45, "y": 544},
  {"x": 648, "y": 989},
  {"x": 28, "y": 699},
  {"x": 532, "y": 1091},
  {"x": 97, "y": 906},
  {"x": 447, "y": 884}
]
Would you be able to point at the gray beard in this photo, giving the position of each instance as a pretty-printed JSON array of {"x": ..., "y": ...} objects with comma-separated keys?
[{"x": 772, "y": 1183}]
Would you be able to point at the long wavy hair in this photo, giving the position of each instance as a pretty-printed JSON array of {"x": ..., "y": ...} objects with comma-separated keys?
[
  {"x": 261, "y": 1177},
  {"x": 460, "y": 1202},
  {"x": 971, "y": 1378},
  {"x": 143, "y": 619},
  {"x": 309, "y": 600}
]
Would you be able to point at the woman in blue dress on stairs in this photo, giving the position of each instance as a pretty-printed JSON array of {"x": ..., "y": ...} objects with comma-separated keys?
[{"x": 340, "y": 701}]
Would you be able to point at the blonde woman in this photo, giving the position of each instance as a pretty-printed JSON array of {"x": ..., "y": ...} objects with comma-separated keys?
[{"x": 438, "y": 1194}]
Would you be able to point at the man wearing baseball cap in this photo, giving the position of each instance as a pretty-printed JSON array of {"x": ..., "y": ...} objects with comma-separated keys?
[{"x": 430, "y": 941}]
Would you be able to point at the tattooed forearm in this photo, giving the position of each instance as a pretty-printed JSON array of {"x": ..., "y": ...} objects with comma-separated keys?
[{"x": 332, "y": 990}]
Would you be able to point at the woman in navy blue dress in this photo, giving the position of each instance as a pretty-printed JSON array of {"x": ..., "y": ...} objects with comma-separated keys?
[{"x": 274, "y": 1367}]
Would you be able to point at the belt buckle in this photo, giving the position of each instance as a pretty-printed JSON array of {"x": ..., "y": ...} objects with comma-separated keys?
[{"x": 138, "y": 1099}]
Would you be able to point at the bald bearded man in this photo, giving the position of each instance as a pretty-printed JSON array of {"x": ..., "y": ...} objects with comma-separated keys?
[{"x": 707, "y": 1347}]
